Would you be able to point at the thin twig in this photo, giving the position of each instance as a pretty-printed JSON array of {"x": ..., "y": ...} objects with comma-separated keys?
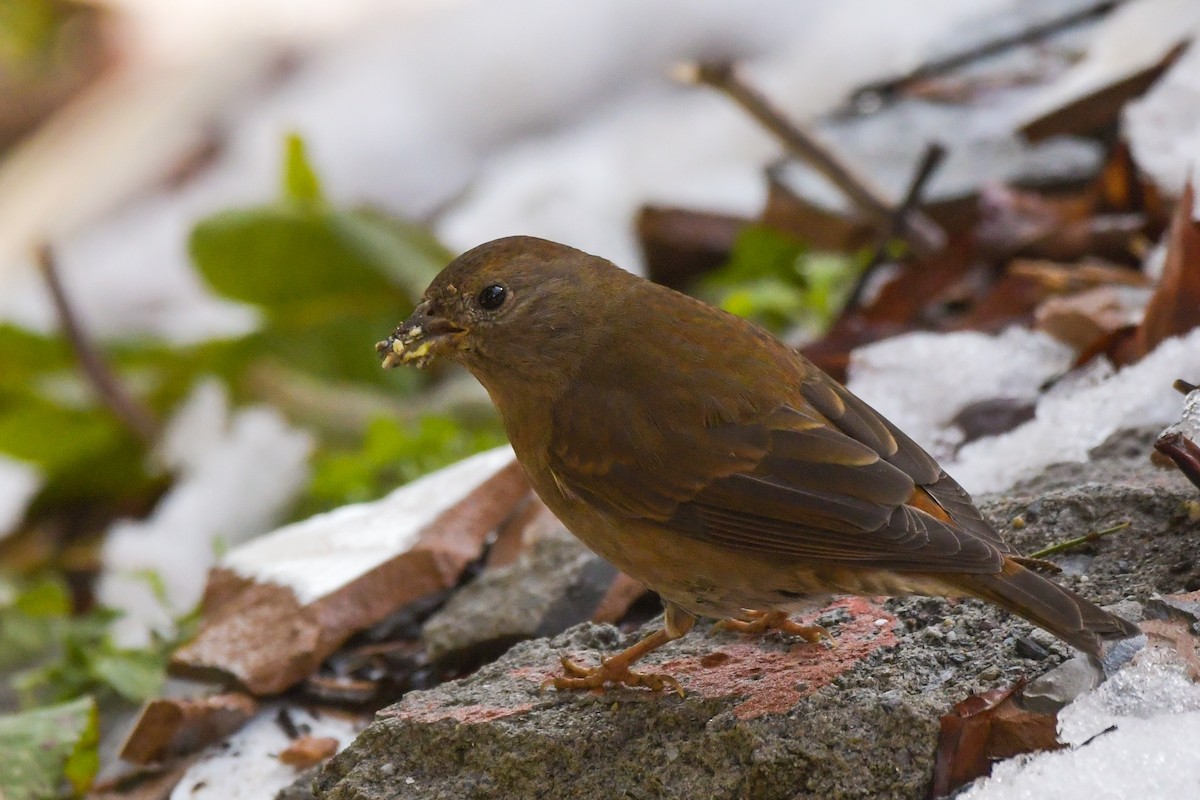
[
  {"x": 1183, "y": 387},
  {"x": 886, "y": 90},
  {"x": 922, "y": 233},
  {"x": 1091, "y": 536},
  {"x": 139, "y": 418},
  {"x": 934, "y": 154}
]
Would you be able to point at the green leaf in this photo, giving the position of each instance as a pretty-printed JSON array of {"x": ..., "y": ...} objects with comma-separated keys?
[
  {"x": 277, "y": 256},
  {"x": 136, "y": 675},
  {"x": 300, "y": 183},
  {"x": 393, "y": 454},
  {"x": 26, "y": 356},
  {"x": 28, "y": 30},
  {"x": 45, "y": 747},
  {"x": 776, "y": 281},
  {"x": 84, "y": 455},
  {"x": 301, "y": 251},
  {"x": 405, "y": 252},
  {"x": 72, "y": 654},
  {"x": 330, "y": 282},
  {"x": 45, "y": 597},
  {"x": 761, "y": 252},
  {"x": 32, "y": 615},
  {"x": 52, "y": 437}
]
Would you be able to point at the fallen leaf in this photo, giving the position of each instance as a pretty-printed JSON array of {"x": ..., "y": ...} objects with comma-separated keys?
[
  {"x": 308, "y": 751},
  {"x": 171, "y": 727},
  {"x": 983, "y": 728},
  {"x": 679, "y": 245},
  {"x": 1174, "y": 309}
]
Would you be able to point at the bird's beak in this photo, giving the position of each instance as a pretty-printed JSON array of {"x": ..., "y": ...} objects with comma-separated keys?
[{"x": 420, "y": 339}]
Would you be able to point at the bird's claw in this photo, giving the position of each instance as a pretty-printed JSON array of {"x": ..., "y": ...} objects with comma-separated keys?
[
  {"x": 763, "y": 621},
  {"x": 617, "y": 674}
]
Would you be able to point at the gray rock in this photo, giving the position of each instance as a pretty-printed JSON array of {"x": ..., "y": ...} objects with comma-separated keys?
[
  {"x": 769, "y": 716},
  {"x": 301, "y": 788},
  {"x": 553, "y": 585},
  {"x": 1060, "y": 686}
]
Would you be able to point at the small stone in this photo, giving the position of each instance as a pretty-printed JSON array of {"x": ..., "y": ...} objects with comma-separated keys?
[
  {"x": 833, "y": 617},
  {"x": 1061, "y": 685},
  {"x": 990, "y": 674},
  {"x": 1028, "y": 648}
]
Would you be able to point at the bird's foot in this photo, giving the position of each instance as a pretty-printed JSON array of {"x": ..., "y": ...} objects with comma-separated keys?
[
  {"x": 614, "y": 671},
  {"x": 763, "y": 621}
]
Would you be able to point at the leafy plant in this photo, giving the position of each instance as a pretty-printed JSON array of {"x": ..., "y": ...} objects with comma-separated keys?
[
  {"x": 47, "y": 747},
  {"x": 327, "y": 280},
  {"x": 778, "y": 282},
  {"x": 393, "y": 454},
  {"x": 73, "y": 655}
]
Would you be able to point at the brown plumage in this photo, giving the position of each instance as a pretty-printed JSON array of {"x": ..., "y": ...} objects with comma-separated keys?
[{"x": 704, "y": 457}]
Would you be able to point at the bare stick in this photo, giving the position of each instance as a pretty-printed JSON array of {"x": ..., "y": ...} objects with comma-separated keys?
[
  {"x": 934, "y": 154},
  {"x": 1090, "y": 536},
  {"x": 886, "y": 90},
  {"x": 139, "y": 418},
  {"x": 922, "y": 233}
]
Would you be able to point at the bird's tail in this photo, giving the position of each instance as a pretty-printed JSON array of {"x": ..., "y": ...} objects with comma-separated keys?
[{"x": 1078, "y": 622}]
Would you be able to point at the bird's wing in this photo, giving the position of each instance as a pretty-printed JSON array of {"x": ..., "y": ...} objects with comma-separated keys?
[{"x": 822, "y": 478}]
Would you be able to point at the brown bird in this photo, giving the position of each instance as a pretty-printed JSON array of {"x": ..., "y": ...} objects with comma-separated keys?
[{"x": 705, "y": 458}]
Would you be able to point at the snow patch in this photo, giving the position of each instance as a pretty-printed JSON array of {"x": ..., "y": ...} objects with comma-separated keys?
[
  {"x": 247, "y": 765},
  {"x": 1134, "y": 736},
  {"x": 324, "y": 553},
  {"x": 217, "y": 457},
  {"x": 1070, "y": 422},
  {"x": 921, "y": 381},
  {"x": 19, "y": 482}
]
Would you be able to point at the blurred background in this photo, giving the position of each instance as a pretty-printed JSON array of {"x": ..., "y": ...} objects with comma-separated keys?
[{"x": 210, "y": 210}]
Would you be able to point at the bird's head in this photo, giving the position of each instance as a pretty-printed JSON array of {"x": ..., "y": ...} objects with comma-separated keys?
[{"x": 513, "y": 309}]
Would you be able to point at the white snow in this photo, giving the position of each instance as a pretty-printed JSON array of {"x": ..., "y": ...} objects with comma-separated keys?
[
  {"x": 1151, "y": 755},
  {"x": 323, "y": 553},
  {"x": 920, "y": 381},
  {"x": 529, "y": 116},
  {"x": 1071, "y": 422},
  {"x": 1189, "y": 420},
  {"x": 683, "y": 145},
  {"x": 1134, "y": 37},
  {"x": 235, "y": 473},
  {"x": 247, "y": 767},
  {"x": 554, "y": 119},
  {"x": 1163, "y": 126},
  {"x": 19, "y": 482}
]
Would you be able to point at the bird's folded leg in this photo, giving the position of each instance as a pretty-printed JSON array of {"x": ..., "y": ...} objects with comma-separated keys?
[
  {"x": 616, "y": 670},
  {"x": 763, "y": 621}
]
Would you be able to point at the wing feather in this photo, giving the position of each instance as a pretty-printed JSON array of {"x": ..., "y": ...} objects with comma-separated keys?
[{"x": 818, "y": 477}]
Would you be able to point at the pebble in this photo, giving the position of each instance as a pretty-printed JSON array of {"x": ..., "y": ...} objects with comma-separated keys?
[{"x": 990, "y": 674}]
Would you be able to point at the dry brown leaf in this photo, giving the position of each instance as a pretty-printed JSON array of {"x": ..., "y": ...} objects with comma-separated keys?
[
  {"x": 308, "y": 751},
  {"x": 1174, "y": 309},
  {"x": 680, "y": 244},
  {"x": 172, "y": 727},
  {"x": 983, "y": 728}
]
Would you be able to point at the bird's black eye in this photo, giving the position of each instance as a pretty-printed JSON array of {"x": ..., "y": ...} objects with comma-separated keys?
[{"x": 491, "y": 297}]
